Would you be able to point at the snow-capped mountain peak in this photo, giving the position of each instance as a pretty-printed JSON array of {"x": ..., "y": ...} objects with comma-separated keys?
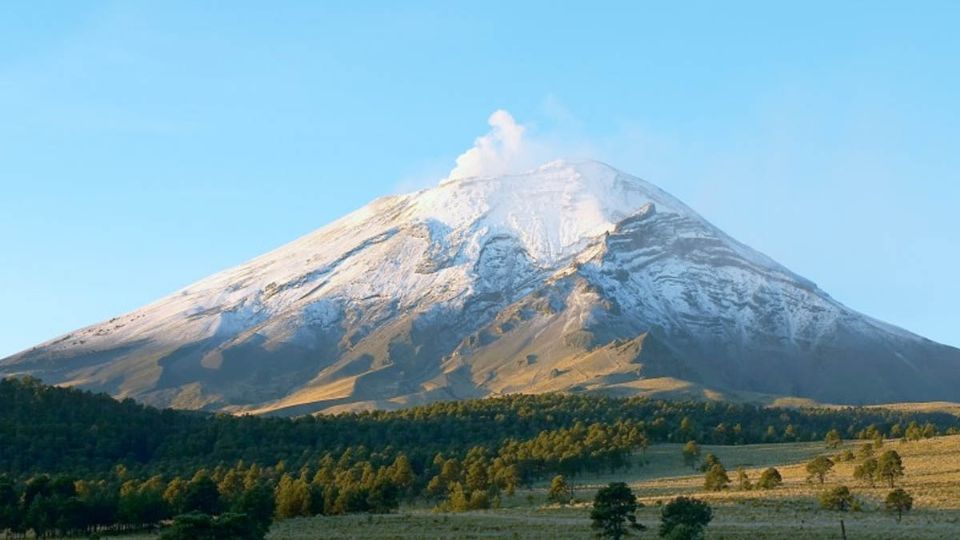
[{"x": 571, "y": 276}]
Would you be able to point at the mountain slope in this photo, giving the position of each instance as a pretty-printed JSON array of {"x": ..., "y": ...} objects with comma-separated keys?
[{"x": 573, "y": 277}]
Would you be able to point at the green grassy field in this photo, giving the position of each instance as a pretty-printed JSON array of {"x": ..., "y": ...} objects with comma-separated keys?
[{"x": 789, "y": 512}]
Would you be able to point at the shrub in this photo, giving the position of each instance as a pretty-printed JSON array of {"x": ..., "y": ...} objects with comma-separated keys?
[
  {"x": 684, "y": 518},
  {"x": 769, "y": 479},
  {"x": 838, "y": 498}
]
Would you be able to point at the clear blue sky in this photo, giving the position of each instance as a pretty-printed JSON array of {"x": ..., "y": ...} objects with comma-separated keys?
[{"x": 145, "y": 145}]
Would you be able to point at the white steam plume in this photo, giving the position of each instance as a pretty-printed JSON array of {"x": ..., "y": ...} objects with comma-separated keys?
[{"x": 503, "y": 150}]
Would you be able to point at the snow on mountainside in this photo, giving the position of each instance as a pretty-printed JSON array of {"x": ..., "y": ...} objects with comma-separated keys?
[{"x": 571, "y": 277}]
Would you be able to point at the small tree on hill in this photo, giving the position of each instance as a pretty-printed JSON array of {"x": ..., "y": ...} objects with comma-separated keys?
[
  {"x": 914, "y": 432},
  {"x": 743, "y": 480},
  {"x": 560, "y": 491},
  {"x": 716, "y": 478},
  {"x": 838, "y": 498},
  {"x": 614, "y": 511},
  {"x": 769, "y": 479},
  {"x": 684, "y": 518},
  {"x": 898, "y": 501},
  {"x": 833, "y": 439},
  {"x": 890, "y": 466},
  {"x": 691, "y": 454},
  {"x": 866, "y": 471},
  {"x": 819, "y": 468}
]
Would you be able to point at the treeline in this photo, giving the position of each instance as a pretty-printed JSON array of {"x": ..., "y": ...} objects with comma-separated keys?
[
  {"x": 77, "y": 463},
  {"x": 250, "y": 496},
  {"x": 45, "y": 429}
]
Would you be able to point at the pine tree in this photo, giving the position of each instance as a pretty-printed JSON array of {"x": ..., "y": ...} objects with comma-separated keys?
[
  {"x": 614, "y": 511},
  {"x": 898, "y": 501},
  {"x": 560, "y": 492},
  {"x": 819, "y": 468},
  {"x": 838, "y": 498},
  {"x": 684, "y": 518},
  {"x": 293, "y": 497},
  {"x": 890, "y": 467}
]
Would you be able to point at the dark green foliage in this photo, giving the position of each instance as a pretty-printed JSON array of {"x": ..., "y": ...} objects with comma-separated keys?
[
  {"x": 838, "y": 498},
  {"x": 257, "y": 503},
  {"x": 200, "y": 526},
  {"x": 614, "y": 511},
  {"x": 202, "y": 495},
  {"x": 65, "y": 430},
  {"x": 685, "y": 518}
]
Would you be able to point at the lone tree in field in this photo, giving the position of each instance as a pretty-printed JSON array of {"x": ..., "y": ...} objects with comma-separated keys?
[
  {"x": 691, "y": 454},
  {"x": 684, "y": 518},
  {"x": 833, "y": 439},
  {"x": 560, "y": 491},
  {"x": 838, "y": 498},
  {"x": 743, "y": 480},
  {"x": 890, "y": 466},
  {"x": 898, "y": 501},
  {"x": 769, "y": 479},
  {"x": 866, "y": 471},
  {"x": 614, "y": 511},
  {"x": 716, "y": 478},
  {"x": 819, "y": 468}
]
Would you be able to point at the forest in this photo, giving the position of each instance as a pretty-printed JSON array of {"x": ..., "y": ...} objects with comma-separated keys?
[{"x": 76, "y": 462}]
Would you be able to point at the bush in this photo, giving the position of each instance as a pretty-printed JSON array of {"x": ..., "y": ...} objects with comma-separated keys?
[
  {"x": 769, "y": 479},
  {"x": 838, "y": 498},
  {"x": 200, "y": 526},
  {"x": 684, "y": 518}
]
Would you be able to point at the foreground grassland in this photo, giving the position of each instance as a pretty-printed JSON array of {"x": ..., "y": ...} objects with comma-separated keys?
[{"x": 789, "y": 512}]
